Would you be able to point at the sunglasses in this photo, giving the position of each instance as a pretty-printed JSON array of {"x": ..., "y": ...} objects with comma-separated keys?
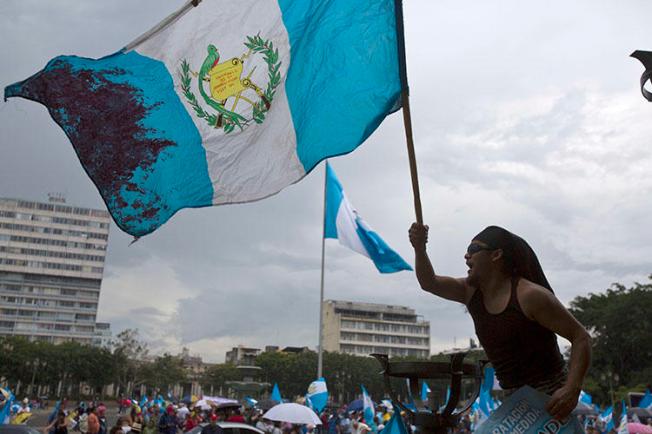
[{"x": 475, "y": 248}]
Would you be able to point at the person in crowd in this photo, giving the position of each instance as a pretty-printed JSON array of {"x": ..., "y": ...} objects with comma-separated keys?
[
  {"x": 236, "y": 416},
  {"x": 511, "y": 303},
  {"x": 92, "y": 421},
  {"x": 277, "y": 428},
  {"x": 359, "y": 427},
  {"x": 167, "y": 423},
  {"x": 263, "y": 424},
  {"x": 59, "y": 425},
  {"x": 212, "y": 427},
  {"x": 150, "y": 426},
  {"x": 82, "y": 419},
  {"x": 101, "y": 416},
  {"x": 345, "y": 423}
]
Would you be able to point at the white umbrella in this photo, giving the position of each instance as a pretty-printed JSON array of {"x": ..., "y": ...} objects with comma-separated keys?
[
  {"x": 293, "y": 413},
  {"x": 203, "y": 404}
]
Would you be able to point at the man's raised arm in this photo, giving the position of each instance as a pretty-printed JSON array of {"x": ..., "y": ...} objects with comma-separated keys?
[{"x": 442, "y": 286}]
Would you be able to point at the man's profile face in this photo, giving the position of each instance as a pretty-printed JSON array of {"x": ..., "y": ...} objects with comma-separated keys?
[{"x": 478, "y": 259}]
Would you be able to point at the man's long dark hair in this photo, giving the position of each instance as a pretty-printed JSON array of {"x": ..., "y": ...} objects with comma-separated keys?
[{"x": 520, "y": 259}]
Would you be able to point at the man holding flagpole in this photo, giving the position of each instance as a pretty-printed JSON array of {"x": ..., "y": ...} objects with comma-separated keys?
[{"x": 516, "y": 315}]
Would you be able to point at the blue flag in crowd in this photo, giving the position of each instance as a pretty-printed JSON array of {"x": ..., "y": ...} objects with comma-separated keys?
[
  {"x": 5, "y": 412},
  {"x": 250, "y": 401},
  {"x": 344, "y": 223},
  {"x": 607, "y": 418},
  {"x": 622, "y": 424},
  {"x": 225, "y": 102},
  {"x": 395, "y": 425},
  {"x": 425, "y": 390},
  {"x": 586, "y": 398},
  {"x": 646, "y": 402},
  {"x": 317, "y": 396},
  {"x": 276, "y": 394},
  {"x": 368, "y": 410}
]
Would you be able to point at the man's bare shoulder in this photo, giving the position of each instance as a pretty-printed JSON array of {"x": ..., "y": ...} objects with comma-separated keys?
[{"x": 532, "y": 297}]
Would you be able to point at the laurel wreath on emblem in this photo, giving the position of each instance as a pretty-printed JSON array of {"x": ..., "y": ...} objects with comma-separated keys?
[{"x": 225, "y": 118}]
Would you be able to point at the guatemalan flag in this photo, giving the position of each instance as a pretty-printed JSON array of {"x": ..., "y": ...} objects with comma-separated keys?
[
  {"x": 317, "y": 395},
  {"x": 368, "y": 410},
  {"x": 342, "y": 221},
  {"x": 223, "y": 101}
]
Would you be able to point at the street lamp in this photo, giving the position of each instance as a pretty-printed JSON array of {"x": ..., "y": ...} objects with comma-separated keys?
[{"x": 613, "y": 378}]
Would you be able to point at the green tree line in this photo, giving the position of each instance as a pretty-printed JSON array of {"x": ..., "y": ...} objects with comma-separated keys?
[{"x": 619, "y": 320}]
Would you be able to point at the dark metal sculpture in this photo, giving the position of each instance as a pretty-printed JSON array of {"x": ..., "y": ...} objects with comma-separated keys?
[{"x": 426, "y": 418}]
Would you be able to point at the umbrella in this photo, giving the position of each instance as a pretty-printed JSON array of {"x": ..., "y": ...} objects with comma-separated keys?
[
  {"x": 202, "y": 404},
  {"x": 266, "y": 404},
  {"x": 293, "y": 413},
  {"x": 356, "y": 405},
  {"x": 227, "y": 405},
  {"x": 638, "y": 428},
  {"x": 585, "y": 409},
  {"x": 640, "y": 412}
]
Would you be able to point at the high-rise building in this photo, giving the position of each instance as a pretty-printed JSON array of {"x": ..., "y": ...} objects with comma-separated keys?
[
  {"x": 365, "y": 328},
  {"x": 51, "y": 265}
]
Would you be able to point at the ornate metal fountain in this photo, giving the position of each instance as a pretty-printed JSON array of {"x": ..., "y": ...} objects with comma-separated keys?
[{"x": 426, "y": 417}]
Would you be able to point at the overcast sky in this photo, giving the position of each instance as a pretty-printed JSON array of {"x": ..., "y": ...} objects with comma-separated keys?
[{"x": 526, "y": 115}]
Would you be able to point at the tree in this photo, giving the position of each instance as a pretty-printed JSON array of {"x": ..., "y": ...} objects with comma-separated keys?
[
  {"x": 164, "y": 372},
  {"x": 620, "y": 323},
  {"x": 129, "y": 352}
]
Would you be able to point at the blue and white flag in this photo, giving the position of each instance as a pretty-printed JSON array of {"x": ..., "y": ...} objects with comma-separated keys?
[
  {"x": 5, "y": 411},
  {"x": 317, "y": 395},
  {"x": 622, "y": 423},
  {"x": 368, "y": 410},
  {"x": 607, "y": 418},
  {"x": 425, "y": 390},
  {"x": 223, "y": 102},
  {"x": 344, "y": 223},
  {"x": 250, "y": 401},
  {"x": 585, "y": 398},
  {"x": 276, "y": 394}
]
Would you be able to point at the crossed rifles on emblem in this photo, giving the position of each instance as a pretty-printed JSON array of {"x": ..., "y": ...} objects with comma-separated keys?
[{"x": 225, "y": 81}]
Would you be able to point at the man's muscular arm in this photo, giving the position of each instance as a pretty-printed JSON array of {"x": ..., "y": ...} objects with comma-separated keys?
[
  {"x": 542, "y": 306},
  {"x": 442, "y": 286}
]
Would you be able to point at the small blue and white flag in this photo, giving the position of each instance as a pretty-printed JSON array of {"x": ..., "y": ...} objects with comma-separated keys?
[
  {"x": 276, "y": 394},
  {"x": 5, "y": 411},
  {"x": 344, "y": 223},
  {"x": 607, "y": 418},
  {"x": 622, "y": 423},
  {"x": 585, "y": 398},
  {"x": 368, "y": 410},
  {"x": 317, "y": 395},
  {"x": 250, "y": 401},
  {"x": 223, "y": 101}
]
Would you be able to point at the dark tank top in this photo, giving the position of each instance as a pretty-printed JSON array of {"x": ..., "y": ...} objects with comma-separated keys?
[{"x": 522, "y": 351}]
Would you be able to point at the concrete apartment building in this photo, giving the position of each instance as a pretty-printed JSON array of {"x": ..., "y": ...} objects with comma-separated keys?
[
  {"x": 51, "y": 266},
  {"x": 365, "y": 328}
]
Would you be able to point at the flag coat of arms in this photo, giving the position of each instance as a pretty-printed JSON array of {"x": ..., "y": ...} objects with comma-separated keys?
[{"x": 223, "y": 102}]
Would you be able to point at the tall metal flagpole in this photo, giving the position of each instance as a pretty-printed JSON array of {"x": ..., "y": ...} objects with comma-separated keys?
[
  {"x": 405, "y": 102},
  {"x": 320, "y": 356}
]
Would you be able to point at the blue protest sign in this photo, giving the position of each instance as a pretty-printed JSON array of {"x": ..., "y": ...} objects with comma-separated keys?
[{"x": 524, "y": 412}]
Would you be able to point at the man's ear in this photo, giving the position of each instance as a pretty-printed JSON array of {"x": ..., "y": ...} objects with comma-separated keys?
[{"x": 497, "y": 254}]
